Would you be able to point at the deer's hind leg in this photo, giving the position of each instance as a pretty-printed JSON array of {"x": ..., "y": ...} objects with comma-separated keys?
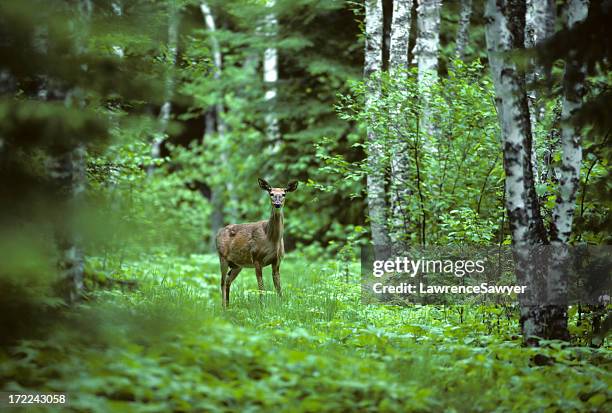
[
  {"x": 224, "y": 266},
  {"x": 259, "y": 275},
  {"x": 234, "y": 271}
]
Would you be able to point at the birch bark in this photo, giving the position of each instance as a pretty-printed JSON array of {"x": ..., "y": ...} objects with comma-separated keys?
[
  {"x": 571, "y": 147},
  {"x": 463, "y": 33},
  {"x": 505, "y": 22},
  {"x": 400, "y": 173},
  {"x": 377, "y": 205},
  {"x": 215, "y": 118},
  {"x": 539, "y": 25},
  {"x": 166, "y": 108},
  {"x": 270, "y": 77},
  {"x": 426, "y": 53}
]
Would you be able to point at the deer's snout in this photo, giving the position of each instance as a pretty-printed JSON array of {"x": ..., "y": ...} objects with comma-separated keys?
[{"x": 277, "y": 199}]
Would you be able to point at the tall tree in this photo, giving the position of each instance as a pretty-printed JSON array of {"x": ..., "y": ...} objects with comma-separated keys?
[
  {"x": 400, "y": 172},
  {"x": 426, "y": 53},
  {"x": 166, "y": 108},
  {"x": 539, "y": 26},
  {"x": 505, "y": 24},
  {"x": 66, "y": 168},
  {"x": 463, "y": 33},
  {"x": 215, "y": 121},
  {"x": 377, "y": 205},
  {"x": 571, "y": 146},
  {"x": 270, "y": 76}
]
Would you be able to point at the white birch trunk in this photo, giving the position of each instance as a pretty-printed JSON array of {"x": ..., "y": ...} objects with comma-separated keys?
[
  {"x": 539, "y": 26},
  {"x": 571, "y": 160},
  {"x": 504, "y": 33},
  {"x": 426, "y": 52},
  {"x": 400, "y": 174},
  {"x": 118, "y": 10},
  {"x": 270, "y": 78},
  {"x": 463, "y": 33},
  {"x": 571, "y": 147},
  {"x": 166, "y": 108},
  {"x": 400, "y": 35},
  {"x": 214, "y": 118},
  {"x": 377, "y": 205}
]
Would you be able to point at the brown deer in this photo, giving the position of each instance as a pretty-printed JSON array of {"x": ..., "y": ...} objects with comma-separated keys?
[{"x": 254, "y": 245}]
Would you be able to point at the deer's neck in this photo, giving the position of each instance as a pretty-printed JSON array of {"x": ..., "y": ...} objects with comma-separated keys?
[{"x": 275, "y": 225}]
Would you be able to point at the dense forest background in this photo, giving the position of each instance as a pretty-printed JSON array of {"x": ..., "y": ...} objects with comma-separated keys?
[{"x": 132, "y": 131}]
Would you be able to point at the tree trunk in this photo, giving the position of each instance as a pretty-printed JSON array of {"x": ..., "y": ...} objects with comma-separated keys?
[
  {"x": 400, "y": 173},
  {"x": 505, "y": 22},
  {"x": 117, "y": 8},
  {"x": 67, "y": 171},
  {"x": 270, "y": 77},
  {"x": 539, "y": 26},
  {"x": 377, "y": 205},
  {"x": 463, "y": 33},
  {"x": 166, "y": 108},
  {"x": 426, "y": 53},
  {"x": 215, "y": 118},
  {"x": 571, "y": 147}
]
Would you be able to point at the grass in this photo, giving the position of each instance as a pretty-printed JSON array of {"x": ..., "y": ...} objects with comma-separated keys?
[{"x": 168, "y": 346}]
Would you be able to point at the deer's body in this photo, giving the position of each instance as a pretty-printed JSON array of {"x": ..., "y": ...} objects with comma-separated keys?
[
  {"x": 253, "y": 245},
  {"x": 244, "y": 244}
]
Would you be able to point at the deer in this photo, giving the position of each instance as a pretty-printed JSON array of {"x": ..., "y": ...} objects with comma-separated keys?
[{"x": 254, "y": 244}]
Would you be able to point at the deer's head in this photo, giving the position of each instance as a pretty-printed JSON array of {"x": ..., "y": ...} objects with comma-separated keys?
[{"x": 277, "y": 195}]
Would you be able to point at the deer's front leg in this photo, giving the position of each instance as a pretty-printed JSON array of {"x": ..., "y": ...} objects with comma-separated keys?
[
  {"x": 259, "y": 275},
  {"x": 276, "y": 277}
]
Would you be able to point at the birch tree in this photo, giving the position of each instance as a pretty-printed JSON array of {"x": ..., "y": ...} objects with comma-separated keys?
[
  {"x": 270, "y": 77},
  {"x": 426, "y": 52},
  {"x": 539, "y": 26},
  {"x": 215, "y": 122},
  {"x": 377, "y": 205},
  {"x": 505, "y": 24},
  {"x": 400, "y": 173},
  {"x": 166, "y": 108},
  {"x": 463, "y": 33},
  {"x": 571, "y": 147}
]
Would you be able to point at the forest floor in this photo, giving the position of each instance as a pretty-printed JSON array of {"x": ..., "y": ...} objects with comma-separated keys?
[{"x": 164, "y": 344}]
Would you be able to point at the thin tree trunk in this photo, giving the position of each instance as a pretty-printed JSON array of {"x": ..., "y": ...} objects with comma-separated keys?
[
  {"x": 166, "y": 108},
  {"x": 270, "y": 77},
  {"x": 377, "y": 205},
  {"x": 400, "y": 159},
  {"x": 505, "y": 22},
  {"x": 117, "y": 7},
  {"x": 215, "y": 117},
  {"x": 463, "y": 33},
  {"x": 426, "y": 53},
  {"x": 568, "y": 172},
  {"x": 571, "y": 147},
  {"x": 539, "y": 26},
  {"x": 67, "y": 172}
]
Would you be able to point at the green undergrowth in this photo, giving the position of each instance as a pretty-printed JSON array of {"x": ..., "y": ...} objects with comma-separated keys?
[{"x": 152, "y": 337}]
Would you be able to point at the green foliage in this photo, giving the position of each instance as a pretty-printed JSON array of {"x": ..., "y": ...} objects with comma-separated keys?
[
  {"x": 169, "y": 347},
  {"x": 459, "y": 168}
]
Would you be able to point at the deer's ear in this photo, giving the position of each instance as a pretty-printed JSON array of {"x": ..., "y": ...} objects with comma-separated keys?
[
  {"x": 292, "y": 186},
  {"x": 263, "y": 184}
]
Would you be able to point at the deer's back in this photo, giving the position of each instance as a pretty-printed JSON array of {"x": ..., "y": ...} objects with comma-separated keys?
[{"x": 243, "y": 244}]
